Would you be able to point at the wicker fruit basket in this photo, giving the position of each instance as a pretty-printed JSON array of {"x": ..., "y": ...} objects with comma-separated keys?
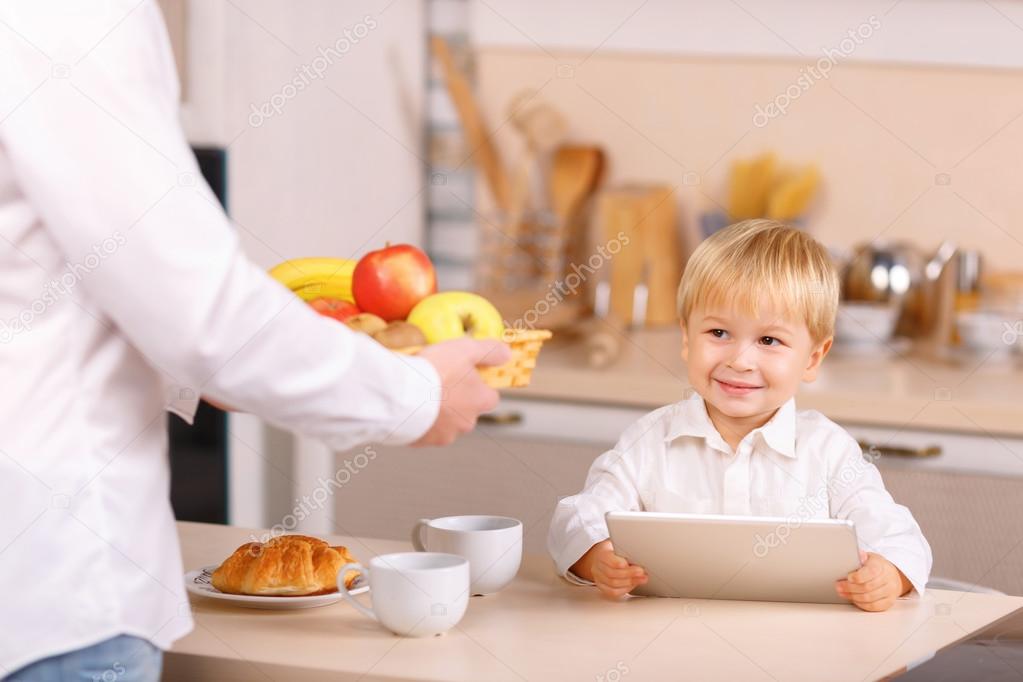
[{"x": 525, "y": 346}]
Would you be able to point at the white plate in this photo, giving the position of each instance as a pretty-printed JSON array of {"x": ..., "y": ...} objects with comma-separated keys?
[{"x": 199, "y": 583}]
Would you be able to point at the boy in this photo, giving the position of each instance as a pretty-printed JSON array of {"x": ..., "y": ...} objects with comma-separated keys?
[{"x": 757, "y": 306}]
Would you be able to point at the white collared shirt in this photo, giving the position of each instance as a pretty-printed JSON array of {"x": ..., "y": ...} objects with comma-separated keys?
[
  {"x": 124, "y": 292},
  {"x": 798, "y": 464}
]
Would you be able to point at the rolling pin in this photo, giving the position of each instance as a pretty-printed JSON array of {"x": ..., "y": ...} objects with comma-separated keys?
[{"x": 602, "y": 340}]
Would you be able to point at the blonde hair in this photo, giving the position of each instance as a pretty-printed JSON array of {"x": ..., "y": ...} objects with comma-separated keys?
[{"x": 761, "y": 261}]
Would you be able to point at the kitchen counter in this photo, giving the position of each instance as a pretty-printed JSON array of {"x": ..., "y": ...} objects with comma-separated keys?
[
  {"x": 970, "y": 394},
  {"x": 541, "y": 628}
]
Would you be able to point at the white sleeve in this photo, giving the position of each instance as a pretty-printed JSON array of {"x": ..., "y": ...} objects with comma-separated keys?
[
  {"x": 97, "y": 149},
  {"x": 180, "y": 400},
  {"x": 613, "y": 484},
  {"x": 857, "y": 493}
]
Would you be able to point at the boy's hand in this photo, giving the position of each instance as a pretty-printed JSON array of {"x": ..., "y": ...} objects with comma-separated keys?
[
  {"x": 875, "y": 585},
  {"x": 613, "y": 574}
]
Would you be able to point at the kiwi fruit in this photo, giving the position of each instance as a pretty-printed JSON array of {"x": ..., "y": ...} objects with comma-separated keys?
[
  {"x": 367, "y": 323},
  {"x": 400, "y": 334}
]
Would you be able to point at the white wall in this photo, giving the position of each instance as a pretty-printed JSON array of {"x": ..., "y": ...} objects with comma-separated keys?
[
  {"x": 336, "y": 169},
  {"x": 959, "y": 32}
]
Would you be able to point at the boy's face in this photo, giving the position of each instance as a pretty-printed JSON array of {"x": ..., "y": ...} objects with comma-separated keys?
[{"x": 748, "y": 367}]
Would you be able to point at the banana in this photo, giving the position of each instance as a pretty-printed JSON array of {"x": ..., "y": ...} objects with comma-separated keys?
[
  {"x": 329, "y": 289},
  {"x": 317, "y": 277}
]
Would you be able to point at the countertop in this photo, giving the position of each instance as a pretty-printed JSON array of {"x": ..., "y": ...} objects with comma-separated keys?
[
  {"x": 541, "y": 628},
  {"x": 971, "y": 394}
]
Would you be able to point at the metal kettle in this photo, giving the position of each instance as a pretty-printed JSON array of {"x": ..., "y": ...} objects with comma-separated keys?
[{"x": 922, "y": 287}]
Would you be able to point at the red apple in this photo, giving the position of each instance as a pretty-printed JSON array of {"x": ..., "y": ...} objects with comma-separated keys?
[
  {"x": 334, "y": 307},
  {"x": 389, "y": 282}
]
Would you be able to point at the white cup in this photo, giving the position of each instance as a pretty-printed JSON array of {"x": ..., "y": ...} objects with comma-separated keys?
[
  {"x": 414, "y": 594},
  {"x": 492, "y": 544}
]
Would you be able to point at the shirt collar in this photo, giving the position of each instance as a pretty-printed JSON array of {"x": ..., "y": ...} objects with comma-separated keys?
[{"x": 691, "y": 419}]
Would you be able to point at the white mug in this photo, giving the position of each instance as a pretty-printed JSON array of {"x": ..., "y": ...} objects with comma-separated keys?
[
  {"x": 414, "y": 594},
  {"x": 492, "y": 544}
]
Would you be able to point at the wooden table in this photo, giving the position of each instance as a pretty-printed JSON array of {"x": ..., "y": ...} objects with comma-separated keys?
[{"x": 541, "y": 628}]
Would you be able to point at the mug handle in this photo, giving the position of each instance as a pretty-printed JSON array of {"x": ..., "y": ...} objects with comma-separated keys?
[
  {"x": 365, "y": 610},
  {"x": 417, "y": 535}
]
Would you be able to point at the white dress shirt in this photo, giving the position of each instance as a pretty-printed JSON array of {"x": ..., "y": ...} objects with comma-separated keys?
[
  {"x": 799, "y": 465},
  {"x": 123, "y": 292}
]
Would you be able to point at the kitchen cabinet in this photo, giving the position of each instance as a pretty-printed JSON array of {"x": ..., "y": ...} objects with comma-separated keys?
[
  {"x": 968, "y": 500},
  {"x": 491, "y": 471}
]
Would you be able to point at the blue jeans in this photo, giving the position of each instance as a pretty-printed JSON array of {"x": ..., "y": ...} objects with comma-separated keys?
[{"x": 120, "y": 659}]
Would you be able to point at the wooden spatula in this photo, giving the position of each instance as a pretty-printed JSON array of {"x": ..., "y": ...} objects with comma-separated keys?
[
  {"x": 542, "y": 128},
  {"x": 575, "y": 174},
  {"x": 476, "y": 135}
]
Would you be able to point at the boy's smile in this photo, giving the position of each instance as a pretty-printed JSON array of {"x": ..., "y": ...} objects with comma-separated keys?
[
  {"x": 736, "y": 387},
  {"x": 746, "y": 367}
]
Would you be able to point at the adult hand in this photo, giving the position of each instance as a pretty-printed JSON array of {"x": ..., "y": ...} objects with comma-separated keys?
[{"x": 464, "y": 395}]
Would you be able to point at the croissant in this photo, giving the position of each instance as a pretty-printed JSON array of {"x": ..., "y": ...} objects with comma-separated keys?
[{"x": 285, "y": 566}]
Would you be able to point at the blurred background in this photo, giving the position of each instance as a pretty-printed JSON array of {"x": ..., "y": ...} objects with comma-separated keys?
[{"x": 563, "y": 158}]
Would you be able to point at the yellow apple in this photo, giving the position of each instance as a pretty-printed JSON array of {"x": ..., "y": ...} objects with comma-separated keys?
[{"x": 454, "y": 314}]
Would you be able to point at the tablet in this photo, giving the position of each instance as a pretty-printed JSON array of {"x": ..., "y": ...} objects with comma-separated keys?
[{"x": 737, "y": 557}]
